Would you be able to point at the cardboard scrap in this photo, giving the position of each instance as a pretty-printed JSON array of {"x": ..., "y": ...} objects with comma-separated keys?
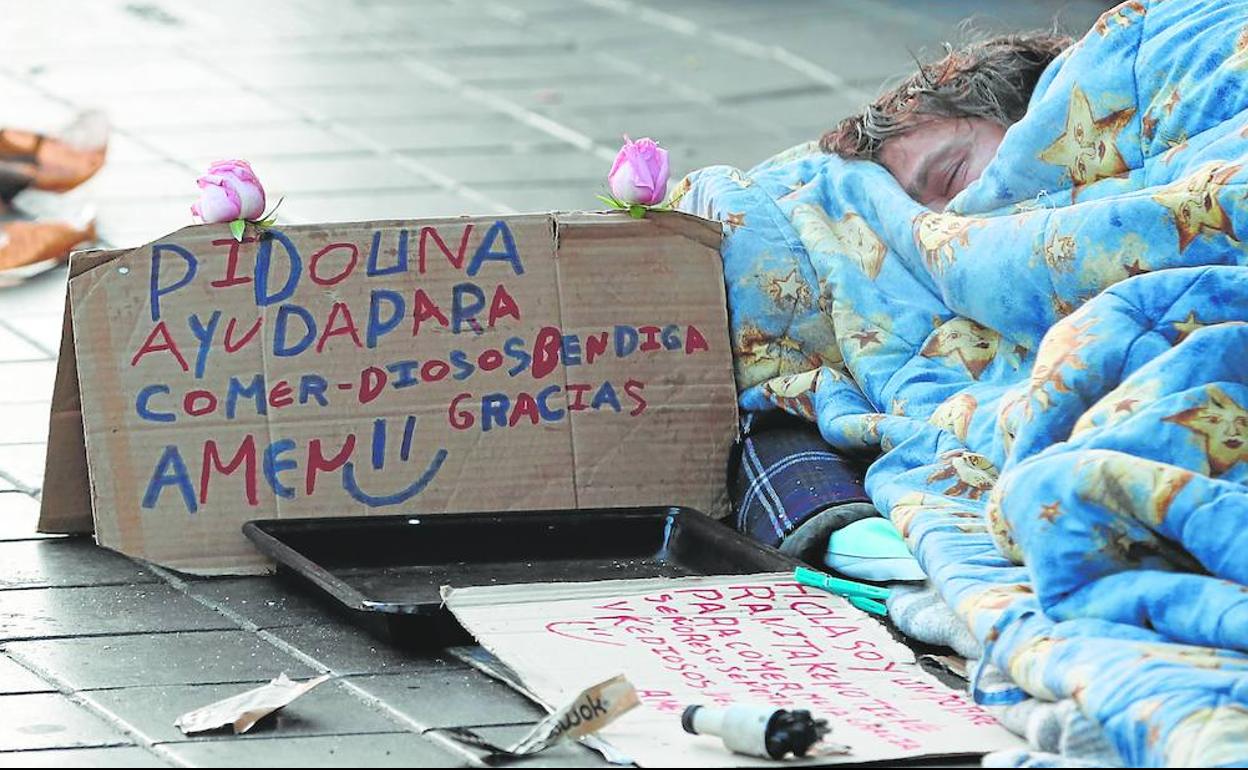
[
  {"x": 722, "y": 640},
  {"x": 591, "y": 710},
  {"x": 518, "y": 363},
  {"x": 487, "y": 663},
  {"x": 244, "y": 710}
]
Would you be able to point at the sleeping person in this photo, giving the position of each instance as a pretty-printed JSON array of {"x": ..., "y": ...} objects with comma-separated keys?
[
  {"x": 1033, "y": 335},
  {"x": 935, "y": 131}
]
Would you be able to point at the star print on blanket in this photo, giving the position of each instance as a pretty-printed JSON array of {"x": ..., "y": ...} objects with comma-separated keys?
[{"x": 1053, "y": 368}]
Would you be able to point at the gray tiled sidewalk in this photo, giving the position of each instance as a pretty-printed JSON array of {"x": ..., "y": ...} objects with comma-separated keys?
[{"x": 352, "y": 110}]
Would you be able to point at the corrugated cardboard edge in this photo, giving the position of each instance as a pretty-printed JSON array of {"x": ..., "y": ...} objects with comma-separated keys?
[{"x": 66, "y": 501}]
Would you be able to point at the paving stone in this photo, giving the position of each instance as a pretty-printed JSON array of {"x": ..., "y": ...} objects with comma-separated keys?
[
  {"x": 855, "y": 50},
  {"x": 119, "y": 756},
  {"x": 40, "y": 613},
  {"x": 747, "y": 15},
  {"x": 15, "y": 348},
  {"x": 51, "y": 721},
  {"x": 578, "y": 196},
  {"x": 293, "y": 138},
  {"x": 43, "y": 293},
  {"x": 414, "y": 99},
  {"x": 390, "y": 204},
  {"x": 195, "y": 109},
  {"x": 31, "y": 33},
  {"x": 329, "y": 709},
  {"x": 665, "y": 124},
  {"x": 25, "y": 423},
  {"x": 809, "y": 113},
  {"x": 19, "y": 515},
  {"x": 504, "y": 169},
  {"x": 709, "y": 68},
  {"x": 42, "y": 330},
  {"x": 126, "y": 224},
  {"x": 268, "y": 602},
  {"x": 125, "y": 149},
  {"x": 390, "y": 750},
  {"x": 1076, "y": 16},
  {"x": 558, "y": 66},
  {"x": 421, "y": 16},
  {"x": 686, "y": 157},
  {"x": 491, "y": 33},
  {"x": 152, "y": 181},
  {"x": 532, "y": 9},
  {"x": 591, "y": 27},
  {"x": 65, "y": 562},
  {"x": 608, "y": 92},
  {"x": 26, "y": 382},
  {"x": 325, "y": 70},
  {"x": 346, "y": 649},
  {"x": 293, "y": 41},
  {"x": 451, "y": 698},
  {"x": 203, "y": 657},
  {"x": 496, "y": 41},
  {"x": 16, "y": 678},
  {"x": 455, "y": 134},
  {"x": 365, "y": 171},
  {"x": 102, "y": 79},
  {"x": 283, "y": 19},
  {"x": 36, "y": 111},
  {"x": 564, "y": 755}
]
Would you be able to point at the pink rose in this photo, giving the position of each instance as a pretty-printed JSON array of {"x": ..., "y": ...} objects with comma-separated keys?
[
  {"x": 639, "y": 175},
  {"x": 229, "y": 191}
]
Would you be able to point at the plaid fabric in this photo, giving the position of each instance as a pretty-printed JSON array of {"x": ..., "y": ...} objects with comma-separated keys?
[{"x": 784, "y": 473}]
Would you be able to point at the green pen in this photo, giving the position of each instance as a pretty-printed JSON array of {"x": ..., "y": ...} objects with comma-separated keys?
[
  {"x": 846, "y": 588},
  {"x": 868, "y": 605}
]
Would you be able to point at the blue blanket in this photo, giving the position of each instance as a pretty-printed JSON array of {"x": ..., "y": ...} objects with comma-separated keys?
[{"x": 1055, "y": 368}]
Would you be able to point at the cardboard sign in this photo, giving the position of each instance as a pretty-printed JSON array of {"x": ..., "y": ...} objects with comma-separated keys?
[
  {"x": 715, "y": 641},
  {"x": 520, "y": 363}
]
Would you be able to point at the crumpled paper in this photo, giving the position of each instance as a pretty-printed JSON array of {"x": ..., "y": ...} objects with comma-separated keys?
[{"x": 242, "y": 711}]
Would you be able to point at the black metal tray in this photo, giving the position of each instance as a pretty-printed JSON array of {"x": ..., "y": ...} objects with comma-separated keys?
[{"x": 387, "y": 571}]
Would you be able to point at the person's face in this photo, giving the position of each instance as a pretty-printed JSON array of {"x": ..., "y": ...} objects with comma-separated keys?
[{"x": 939, "y": 158}]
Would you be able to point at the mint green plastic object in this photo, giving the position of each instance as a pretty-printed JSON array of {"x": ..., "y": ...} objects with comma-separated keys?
[
  {"x": 864, "y": 597},
  {"x": 871, "y": 549}
]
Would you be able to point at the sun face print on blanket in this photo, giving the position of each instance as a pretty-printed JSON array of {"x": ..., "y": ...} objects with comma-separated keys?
[{"x": 1055, "y": 368}]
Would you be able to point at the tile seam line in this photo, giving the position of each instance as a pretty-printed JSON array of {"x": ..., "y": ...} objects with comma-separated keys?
[
  {"x": 62, "y": 687},
  {"x": 93, "y": 746},
  {"x": 367, "y": 698},
  {"x": 734, "y": 43},
  {"x": 100, "y": 242},
  {"x": 48, "y": 353},
  {"x": 444, "y": 182},
  {"x": 689, "y": 93},
  {"x": 499, "y": 104},
  {"x": 136, "y": 738},
  {"x": 333, "y": 126},
  {"x": 504, "y": 106},
  {"x": 520, "y": 18},
  {"x": 18, "y": 486}
]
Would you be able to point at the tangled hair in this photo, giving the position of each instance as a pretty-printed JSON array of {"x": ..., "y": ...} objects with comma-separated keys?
[{"x": 990, "y": 78}]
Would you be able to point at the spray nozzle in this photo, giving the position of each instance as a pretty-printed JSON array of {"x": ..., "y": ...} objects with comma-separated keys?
[{"x": 757, "y": 731}]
